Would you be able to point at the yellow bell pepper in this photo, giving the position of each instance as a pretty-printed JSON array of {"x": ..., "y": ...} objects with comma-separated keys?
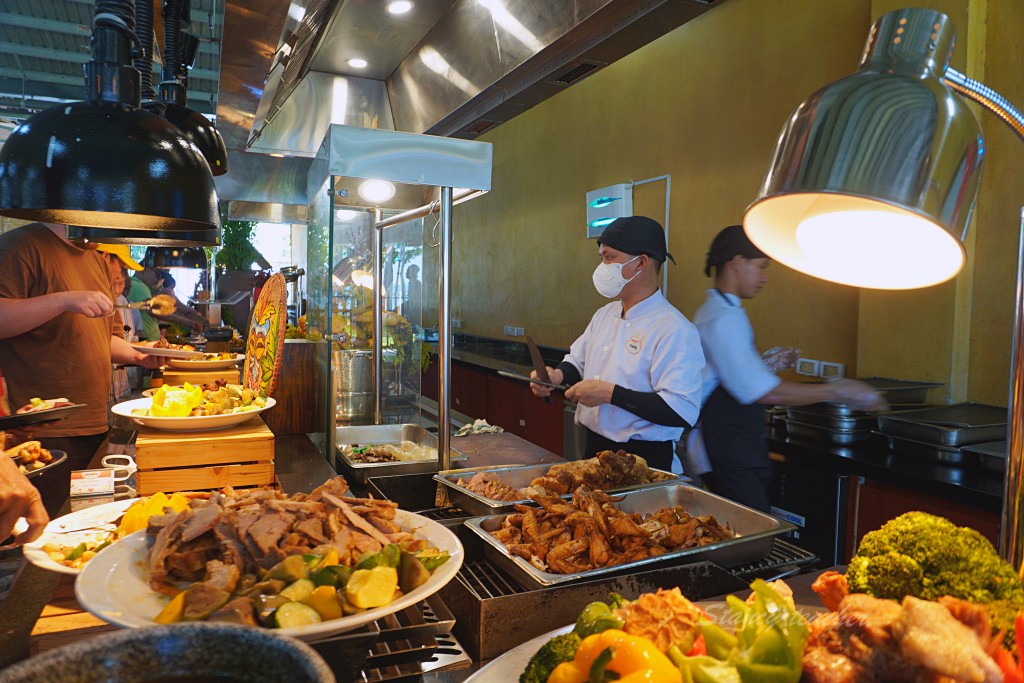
[
  {"x": 171, "y": 401},
  {"x": 636, "y": 660}
]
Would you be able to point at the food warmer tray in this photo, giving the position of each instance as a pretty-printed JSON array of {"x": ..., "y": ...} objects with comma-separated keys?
[
  {"x": 755, "y": 532},
  {"x": 901, "y": 390},
  {"x": 951, "y": 426},
  {"x": 991, "y": 454},
  {"x": 844, "y": 423},
  {"x": 517, "y": 476},
  {"x": 818, "y": 433},
  {"x": 944, "y": 454},
  {"x": 384, "y": 434}
]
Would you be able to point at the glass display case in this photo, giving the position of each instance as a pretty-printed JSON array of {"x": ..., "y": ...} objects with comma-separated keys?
[{"x": 379, "y": 221}]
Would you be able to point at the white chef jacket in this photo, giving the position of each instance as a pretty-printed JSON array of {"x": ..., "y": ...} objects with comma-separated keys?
[
  {"x": 653, "y": 348},
  {"x": 727, "y": 339}
]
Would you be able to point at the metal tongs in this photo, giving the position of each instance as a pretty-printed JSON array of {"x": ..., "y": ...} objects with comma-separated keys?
[{"x": 161, "y": 304}]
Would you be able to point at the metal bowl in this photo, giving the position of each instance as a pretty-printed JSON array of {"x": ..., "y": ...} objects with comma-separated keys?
[{"x": 196, "y": 651}]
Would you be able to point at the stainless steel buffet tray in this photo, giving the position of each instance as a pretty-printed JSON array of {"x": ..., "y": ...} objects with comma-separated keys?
[
  {"x": 844, "y": 423},
  {"x": 991, "y": 454},
  {"x": 901, "y": 390},
  {"x": 819, "y": 433},
  {"x": 516, "y": 476},
  {"x": 950, "y": 455},
  {"x": 755, "y": 532},
  {"x": 383, "y": 434},
  {"x": 954, "y": 425}
]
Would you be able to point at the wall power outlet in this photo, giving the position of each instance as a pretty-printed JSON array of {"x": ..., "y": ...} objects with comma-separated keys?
[
  {"x": 832, "y": 370},
  {"x": 808, "y": 367}
]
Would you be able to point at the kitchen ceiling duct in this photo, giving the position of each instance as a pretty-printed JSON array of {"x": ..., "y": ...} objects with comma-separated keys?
[{"x": 454, "y": 68}]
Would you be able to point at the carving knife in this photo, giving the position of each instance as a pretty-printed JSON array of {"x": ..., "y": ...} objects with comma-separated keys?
[
  {"x": 524, "y": 378},
  {"x": 538, "y": 363}
]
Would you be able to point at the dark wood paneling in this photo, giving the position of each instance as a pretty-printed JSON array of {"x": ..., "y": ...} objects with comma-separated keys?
[
  {"x": 295, "y": 391},
  {"x": 505, "y": 404},
  {"x": 544, "y": 421},
  {"x": 469, "y": 390}
]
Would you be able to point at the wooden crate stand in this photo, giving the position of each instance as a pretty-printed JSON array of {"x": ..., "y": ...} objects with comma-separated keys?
[{"x": 238, "y": 456}]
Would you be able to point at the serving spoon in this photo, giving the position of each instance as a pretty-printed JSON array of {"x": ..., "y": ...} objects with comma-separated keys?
[{"x": 161, "y": 304}]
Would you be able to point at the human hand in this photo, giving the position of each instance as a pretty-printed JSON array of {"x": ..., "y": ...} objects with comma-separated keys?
[
  {"x": 555, "y": 377},
  {"x": 590, "y": 392},
  {"x": 19, "y": 498},
  {"x": 858, "y": 395},
  {"x": 780, "y": 358},
  {"x": 89, "y": 304},
  {"x": 148, "y": 360}
]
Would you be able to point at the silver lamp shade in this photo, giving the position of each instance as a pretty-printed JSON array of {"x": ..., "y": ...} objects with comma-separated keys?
[{"x": 874, "y": 177}]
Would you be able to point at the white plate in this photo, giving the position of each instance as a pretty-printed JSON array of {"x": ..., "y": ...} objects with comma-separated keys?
[
  {"x": 510, "y": 665},
  {"x": 200, "y": 364},
  {"x": 98, "y": 514},
  {"x": 199, "y": 423},
  {"x": 114, "y": 586},
  {"x": 166, "y": 353}
]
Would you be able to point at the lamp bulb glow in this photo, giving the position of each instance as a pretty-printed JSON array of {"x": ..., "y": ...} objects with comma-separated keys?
[
  {"x": 377, "y": 190},
  {"x": 867, "y": 245},
  {"x": 357, "y": 63},
  {"x": 399, "y": 6},
  {"x": 346, "y": 215}
]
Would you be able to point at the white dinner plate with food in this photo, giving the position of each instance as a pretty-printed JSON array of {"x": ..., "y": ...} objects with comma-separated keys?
[
  {"x": 92, "y": 526},
  {"x": 114, "y": 586},
  {"x": 204, "y": 363},
  {"x": 165, "y": 352},
  {"x": 198, "y": 423}
]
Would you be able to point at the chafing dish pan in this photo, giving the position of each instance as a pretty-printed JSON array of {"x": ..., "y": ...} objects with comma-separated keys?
[
  {"x": 859, "y": 421},
  {"x": 819, "y": 433},
  {"x": 901, "y": 390},
  {"x": 991, "y": 454},
  {"x": 516, "y": 476},
  {"x": 382, "y": 434},
  {"x": 949, "y": 455},
  {"x": 755, "y": 533},
  {"x": 951, "y": 426}
]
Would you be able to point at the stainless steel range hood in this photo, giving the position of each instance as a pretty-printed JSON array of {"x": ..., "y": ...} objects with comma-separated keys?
[{"x": 457, "y": 69}]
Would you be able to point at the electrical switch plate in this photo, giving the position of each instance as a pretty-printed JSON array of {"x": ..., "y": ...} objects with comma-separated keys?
[
  {"x": 808, "y": 367},
  {"x": 832, "y": 370},
  {"x": 509, "y": 330},
  {"x": 456, "y": 322}
]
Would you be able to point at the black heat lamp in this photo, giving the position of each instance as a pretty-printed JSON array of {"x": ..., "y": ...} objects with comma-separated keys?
[{"x": 104, "y": 162}]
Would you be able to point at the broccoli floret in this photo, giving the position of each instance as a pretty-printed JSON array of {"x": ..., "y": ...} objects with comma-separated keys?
[
  {"x": 927, "y": 556},
  {"x": 557, "y": 650}
]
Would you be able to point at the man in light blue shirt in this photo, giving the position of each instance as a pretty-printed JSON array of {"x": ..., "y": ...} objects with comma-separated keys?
[{"x": 737, "y": 383}]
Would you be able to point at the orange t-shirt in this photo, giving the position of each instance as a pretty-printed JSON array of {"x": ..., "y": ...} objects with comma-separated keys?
[{"x": 68, "y": 356}]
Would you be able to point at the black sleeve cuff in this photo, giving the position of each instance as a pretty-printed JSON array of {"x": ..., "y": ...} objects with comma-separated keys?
[
  {"x": 570, "y": 373},
  {"x": 647, "y": 405}
]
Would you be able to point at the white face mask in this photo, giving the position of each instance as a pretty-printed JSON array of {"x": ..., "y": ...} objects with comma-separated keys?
[{"x": 608, "y": 278}]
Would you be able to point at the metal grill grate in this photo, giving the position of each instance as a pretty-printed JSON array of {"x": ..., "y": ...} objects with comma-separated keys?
[
  {"x": 447, "y": 514},
  {"x": 485, "y": 581},
  {"x": 783, "y": 560}
]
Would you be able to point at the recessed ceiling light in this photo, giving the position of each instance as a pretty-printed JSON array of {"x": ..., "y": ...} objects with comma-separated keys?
[
  {"x": 357, "y": 63},
  {"x": 399, "y": 7},
  {"x": 377, "y": 191}
]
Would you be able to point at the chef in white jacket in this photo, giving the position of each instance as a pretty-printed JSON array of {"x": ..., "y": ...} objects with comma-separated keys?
[{"x": 636, "y": 370}]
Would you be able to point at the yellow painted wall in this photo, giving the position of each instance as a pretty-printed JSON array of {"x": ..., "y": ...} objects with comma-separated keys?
[{"x": 704, "y": 104}]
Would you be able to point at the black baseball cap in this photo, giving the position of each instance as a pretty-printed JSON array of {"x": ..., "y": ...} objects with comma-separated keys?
[
  {"x": 730, "y": 242},
  {"x": 636, "y": 235}
]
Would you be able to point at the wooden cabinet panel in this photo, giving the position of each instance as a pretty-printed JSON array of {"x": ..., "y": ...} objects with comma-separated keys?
[
  {"x": 469, "y": 390},
  {"x": 873, "y": 504},
  {"x": 505, "y": 404},
  {"x": 544, "y": 421}
]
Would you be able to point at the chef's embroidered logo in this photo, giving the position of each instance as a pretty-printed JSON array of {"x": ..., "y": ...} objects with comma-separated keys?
[{"x": 634, "y": 345}]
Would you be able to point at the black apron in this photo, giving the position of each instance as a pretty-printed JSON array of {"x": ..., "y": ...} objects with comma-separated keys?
[
  {"x": 658, "y": 454},
  {"x": 735, "y": 437}
]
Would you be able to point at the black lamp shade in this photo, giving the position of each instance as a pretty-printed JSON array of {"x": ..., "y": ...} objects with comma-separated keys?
[
  {"x": 145, "y": 238},
  {"x": 203, "y": 134},
  {"x": 109, "y": 165}
]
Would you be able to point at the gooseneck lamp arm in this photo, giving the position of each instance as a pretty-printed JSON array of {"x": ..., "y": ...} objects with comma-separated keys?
[{"x": 988, "y": 98}]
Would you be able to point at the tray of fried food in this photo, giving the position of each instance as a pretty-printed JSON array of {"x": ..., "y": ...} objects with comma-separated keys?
[
  {"x": 491, "y": 490},
  {"x": 32, "y": 458},
  {"x": 596, "y": 533}
]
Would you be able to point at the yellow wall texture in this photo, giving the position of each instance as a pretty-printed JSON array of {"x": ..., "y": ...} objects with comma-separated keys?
[{"x": 704, "y": 104}]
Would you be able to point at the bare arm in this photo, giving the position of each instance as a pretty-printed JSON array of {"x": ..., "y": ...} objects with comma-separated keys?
[
  {"x": 18, "y": 316},
  {"x": 859, "y": 395},
  {"x": 19, "y": 498},
  {"x": 122, "y": 353}
]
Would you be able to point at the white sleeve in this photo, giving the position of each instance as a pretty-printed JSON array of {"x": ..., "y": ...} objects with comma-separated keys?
[
  {"x": 729, "y": 346},
  {"x": 676, "y": 371},
  {"x": 578, "y": 351}
]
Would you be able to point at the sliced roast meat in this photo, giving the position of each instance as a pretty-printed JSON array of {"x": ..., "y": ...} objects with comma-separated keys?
[
  {"x": 238, "y": 611},
  {"x": 201, "y": 520},
  {"x": 269, "y": 529},
  {"x": 313, "y": 528},
  {"x": 222, "y": 576}
]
